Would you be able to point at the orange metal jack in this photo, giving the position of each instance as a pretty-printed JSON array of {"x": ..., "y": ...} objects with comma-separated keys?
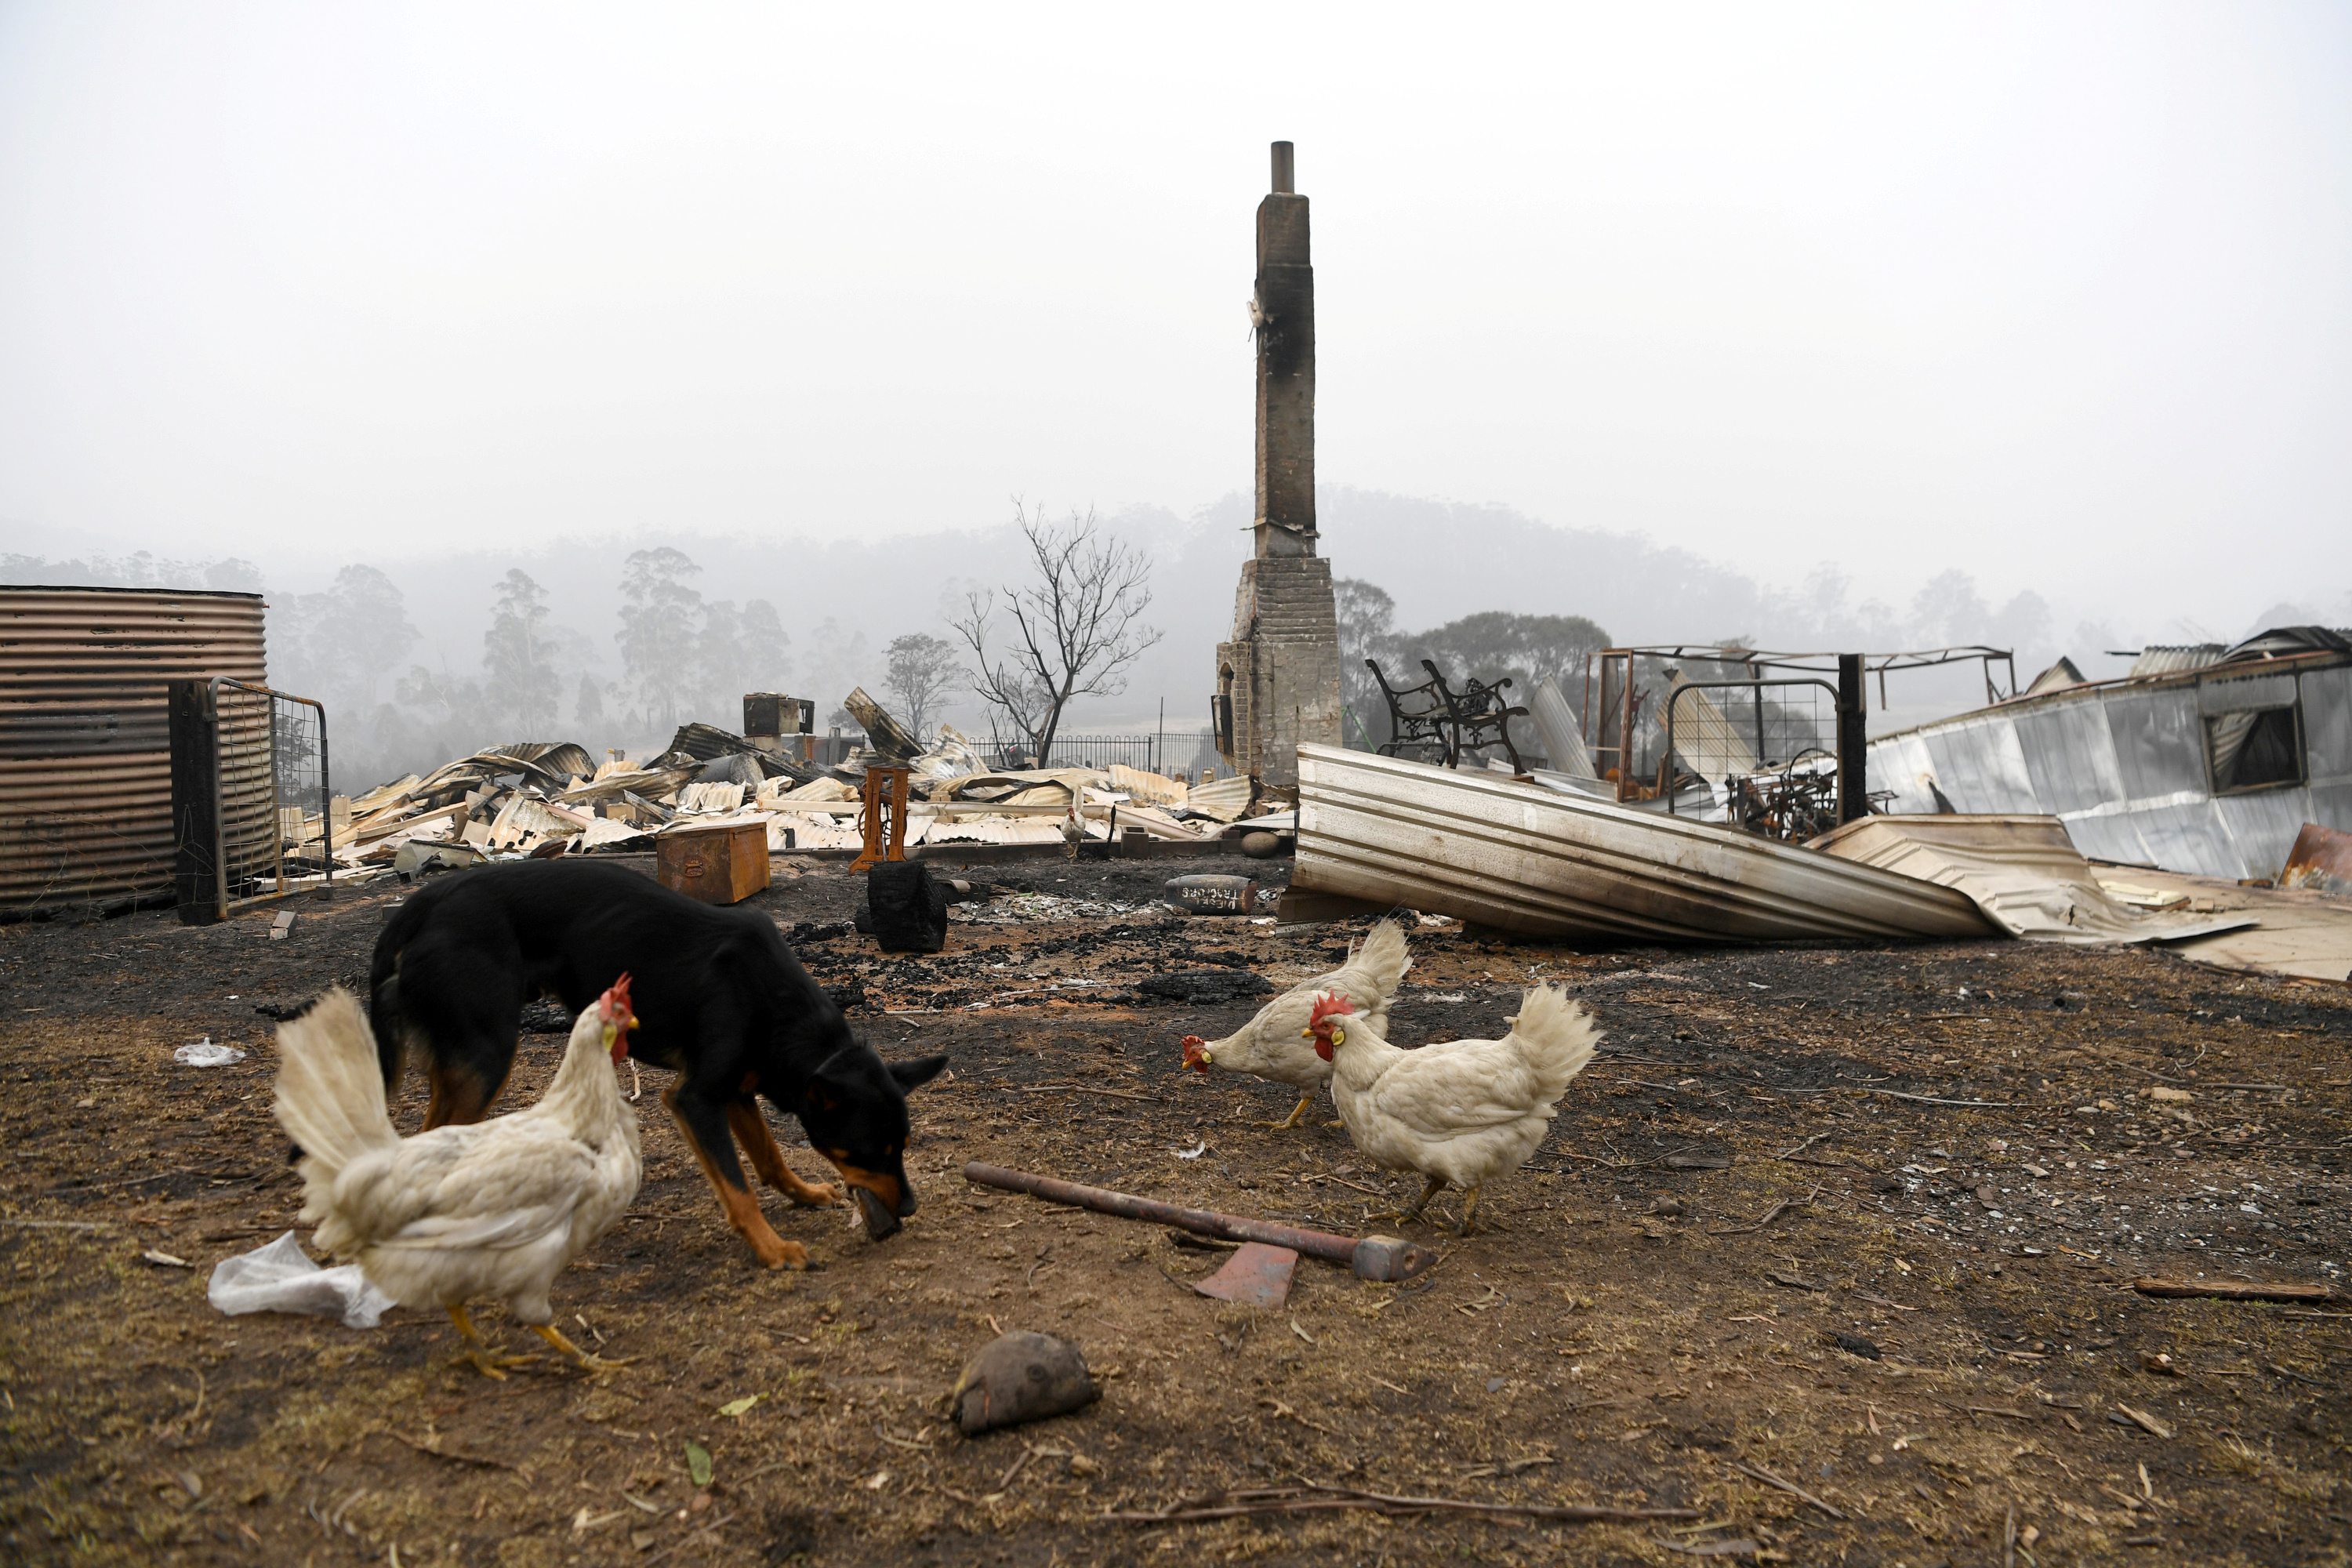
[{"x": 883, "y": 817}]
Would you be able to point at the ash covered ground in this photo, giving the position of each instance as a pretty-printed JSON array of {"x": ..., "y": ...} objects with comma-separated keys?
[{"x": 1760, "y": 1238}]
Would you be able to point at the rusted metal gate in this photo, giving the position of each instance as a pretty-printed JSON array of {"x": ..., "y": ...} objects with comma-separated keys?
[{"x": 251, "y": 796}]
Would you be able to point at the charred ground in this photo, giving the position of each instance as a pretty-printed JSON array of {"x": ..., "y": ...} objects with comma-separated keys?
[{"x": 1763, "y": 1159}]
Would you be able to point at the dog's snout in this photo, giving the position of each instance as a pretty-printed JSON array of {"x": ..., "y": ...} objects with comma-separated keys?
[{"x": 906, "y": 1198}]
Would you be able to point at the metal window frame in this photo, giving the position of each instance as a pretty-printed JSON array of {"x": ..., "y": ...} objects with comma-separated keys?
[
  {"x": 1598, "y": 668},
  {"x": 2302, "y": 779},
  {"x": 276, "y": 800}
]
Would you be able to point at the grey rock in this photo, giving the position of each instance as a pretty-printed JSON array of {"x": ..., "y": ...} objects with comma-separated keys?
[{"x": 1020, "y": 1377}]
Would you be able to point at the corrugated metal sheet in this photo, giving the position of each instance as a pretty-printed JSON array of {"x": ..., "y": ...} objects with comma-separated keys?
[
  {"x": 85, "y": 746},
  {"x": 1563, "y": 739},
  {"x": 2122, "y": 764},
  {"x": 2171, "y": 658},
  {"x": 2022, "y": 872},
  {"x": 1481, "y": 847}
]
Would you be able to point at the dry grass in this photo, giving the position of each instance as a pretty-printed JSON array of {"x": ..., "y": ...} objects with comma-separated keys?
[{"x": 1586, "y": 1350}]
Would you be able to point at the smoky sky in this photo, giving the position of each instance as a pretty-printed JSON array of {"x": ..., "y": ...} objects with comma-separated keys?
[{"x": 2060, "y": 293}]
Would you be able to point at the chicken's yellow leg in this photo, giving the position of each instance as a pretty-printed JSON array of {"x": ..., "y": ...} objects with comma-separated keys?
[
  {"x": 1469, "y": 1206},
  {"x": 586, "y": 1362},
  {"x": 1303, "y": 1101},
  {"x": 1436, "y": 1184},
  {"x": 478, "y": 1352}
]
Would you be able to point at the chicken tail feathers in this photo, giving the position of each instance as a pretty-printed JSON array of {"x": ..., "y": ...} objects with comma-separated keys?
[
  {"x": 1556, "y": 1036},
  {"x": 329, "y": 1095},
  {"x": 1384, "y": 956}
]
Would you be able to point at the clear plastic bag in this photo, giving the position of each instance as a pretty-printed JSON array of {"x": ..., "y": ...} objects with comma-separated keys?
[{"x": 280, "y": 1278}]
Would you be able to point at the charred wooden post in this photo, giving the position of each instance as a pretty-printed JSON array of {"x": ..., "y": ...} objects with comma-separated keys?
[
  {"x": 1852, "y": 741},
  {"x": 195, "y": 800},
  {"x": 908, "y": 908}
]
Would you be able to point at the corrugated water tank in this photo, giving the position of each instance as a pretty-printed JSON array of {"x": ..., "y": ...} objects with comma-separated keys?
[{"x": 85, "y": 746}]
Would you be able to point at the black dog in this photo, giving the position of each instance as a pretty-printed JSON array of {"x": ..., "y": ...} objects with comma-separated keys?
[{"x": 720, "y": 999}]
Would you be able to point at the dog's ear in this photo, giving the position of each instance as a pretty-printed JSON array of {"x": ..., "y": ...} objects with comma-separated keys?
[
  {"x": 913, "y": 1075},
  {"x": 836, "y": 1078}
]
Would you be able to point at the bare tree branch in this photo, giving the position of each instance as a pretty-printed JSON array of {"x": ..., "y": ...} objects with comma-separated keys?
[{"x": 1075, "y": 629}]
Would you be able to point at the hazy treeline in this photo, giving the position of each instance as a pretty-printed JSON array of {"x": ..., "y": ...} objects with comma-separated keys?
[
  {"x": 675, "y": 655},
  {"x": 613, "y": 642}
]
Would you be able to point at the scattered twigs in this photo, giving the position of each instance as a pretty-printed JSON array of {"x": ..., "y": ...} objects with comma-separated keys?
[
  {"x": 1075, "y": 1088},
  {"x": 1005, "y": 1479},
  {"x": 482, "y": 1461},
  {"x": 59, "y": 1224},
  {"x": 688, "y": 1538},
  {"x": 1281, "y": 1411},
  {"x": 2233, "y": 1289},
  {"x": 1800, "y": 1148},
  {"x": 1310, "y": 1498},
  {"x": 185, "y": 1422},
  {"x": 1775, "y": 1211},
  {"x": 2145, "y": 1422},
  {"x": 1794, "y": 1490},
  {"x": 1899, "y": 1094}
]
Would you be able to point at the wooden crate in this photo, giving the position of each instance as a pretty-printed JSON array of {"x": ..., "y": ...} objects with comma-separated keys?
[{"x": 717, "y": 865}]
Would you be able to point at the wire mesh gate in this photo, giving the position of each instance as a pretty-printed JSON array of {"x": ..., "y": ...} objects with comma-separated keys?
[
  {"x": 1775, "y": 761},
  {"x": 252, "y": 804}
]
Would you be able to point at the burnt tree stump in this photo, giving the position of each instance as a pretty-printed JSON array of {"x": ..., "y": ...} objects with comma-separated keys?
[{"x": 910, "y": 911}]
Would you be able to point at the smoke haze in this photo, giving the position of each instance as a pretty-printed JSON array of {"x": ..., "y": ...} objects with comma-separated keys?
[{"x": 2033, "y": 323}]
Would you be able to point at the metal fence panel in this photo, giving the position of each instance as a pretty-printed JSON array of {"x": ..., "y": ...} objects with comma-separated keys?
[
  {"x": 2328, "y": 725},
  {"x": 274, "y": 813}
]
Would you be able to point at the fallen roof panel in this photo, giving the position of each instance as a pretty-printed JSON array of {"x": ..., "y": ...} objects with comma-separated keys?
[
  {"x": 1485, "y": 848},
  {"x": 2022, "y": 871}
]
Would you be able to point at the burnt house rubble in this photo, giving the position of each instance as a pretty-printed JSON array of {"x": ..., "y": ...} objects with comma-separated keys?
[
  {"x": 1689, "y": 794},
  {"x": 1718, "y": 794},
  {"x": 1673, "y": 793},
  {"x": 2207, "y": 761},
  {"x": 145, "y": 762}
]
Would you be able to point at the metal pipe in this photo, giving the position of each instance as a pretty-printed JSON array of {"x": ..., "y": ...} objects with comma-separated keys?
[
  {"x": 1372, "y": 1257},
  {"x": 1285, "y": 170},
  {"x": 1756, "y": 674}
]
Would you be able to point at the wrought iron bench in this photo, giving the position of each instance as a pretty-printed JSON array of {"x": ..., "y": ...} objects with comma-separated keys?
[
  {"x": 1419, "y": 717},
  {"x": 1478, "y": 717}
]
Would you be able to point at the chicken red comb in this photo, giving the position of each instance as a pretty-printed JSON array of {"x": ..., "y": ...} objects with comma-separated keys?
[
  {"x": 614, "y": 1005},
  {"x": 1327, "y": 1006}
]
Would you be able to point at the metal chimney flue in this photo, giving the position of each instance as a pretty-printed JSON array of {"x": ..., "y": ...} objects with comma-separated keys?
[{"x": 1285, "y": 170}]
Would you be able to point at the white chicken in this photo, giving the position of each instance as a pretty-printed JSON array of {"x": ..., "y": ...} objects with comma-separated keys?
[
  {"x": 1269, "y": 1045},
  {"x": 494, "y": 1208},
  {"x": 1459, "y": 1112}
]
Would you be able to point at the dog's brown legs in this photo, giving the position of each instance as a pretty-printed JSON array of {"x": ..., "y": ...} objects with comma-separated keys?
[
  {"x": 460, "y": 1094},
  {"x": 758, "y": 1142},
  {"x": 742, "y": 1211}
]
